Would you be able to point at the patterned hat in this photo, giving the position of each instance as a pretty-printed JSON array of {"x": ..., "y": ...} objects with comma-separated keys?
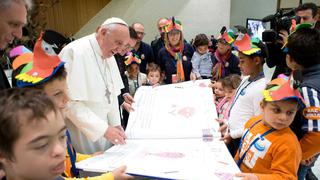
[
  {"x": 132, "y": 58},
  {"x": 39, "y": 65},
  {"x": 173, "y": 24},
  {"x": 282, "y": 88},
  {"x": 228, "y": 36},
  {"x": 247, "y": 45}
]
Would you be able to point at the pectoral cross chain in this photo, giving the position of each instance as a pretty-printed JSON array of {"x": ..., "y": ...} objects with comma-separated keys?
[{"x": 108, "y": 93}]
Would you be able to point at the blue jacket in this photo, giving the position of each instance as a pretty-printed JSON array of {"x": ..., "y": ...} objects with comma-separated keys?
[
  {"x": 232, "y": 68},
  {"x": 145, "y": 53},
  {"x": 167, "y": 63}
]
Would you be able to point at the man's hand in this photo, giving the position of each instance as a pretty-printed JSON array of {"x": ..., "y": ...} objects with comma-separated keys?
[
  {"x": 284, "y": 36},
  {"x": 247, "y": 176},
  {"x": 115, "y": 135},
  {"x": 127, "y": 107},
  {"x": 128, "y": 98},
  {"x": 120, "y": 173}
]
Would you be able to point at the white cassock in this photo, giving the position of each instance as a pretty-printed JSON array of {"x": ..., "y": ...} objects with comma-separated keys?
[{"x": 90, "y": 111}]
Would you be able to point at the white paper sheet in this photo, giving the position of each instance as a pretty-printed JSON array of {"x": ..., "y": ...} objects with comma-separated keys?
[{"x": 171, "y": 134}]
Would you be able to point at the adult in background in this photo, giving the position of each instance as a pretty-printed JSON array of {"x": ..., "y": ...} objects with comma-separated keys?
[
  {"x": 125, "y": 99},
  {"x": 13, "y": 15},
  {"x": 175, "y": 57},
  {"x": 224, "y": 61},
  {"x": 94, "y": 84},
  {"x": 142, "y": 49},
  {"x": 158, "y": 43}
]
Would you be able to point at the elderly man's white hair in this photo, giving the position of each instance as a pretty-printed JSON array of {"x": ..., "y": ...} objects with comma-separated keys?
[{"x": 6, "y": 3}]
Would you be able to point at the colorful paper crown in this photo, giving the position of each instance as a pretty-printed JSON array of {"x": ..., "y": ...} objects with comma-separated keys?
[
  {"x": 246, "y": 45},
  {"x": 293, "y": 29},
  {"x": 173, "y": 24},
  {"x": 282, "y": 88},
  {"x": 132, "y": 58},
  {"x": 39, "y": 68},
  {"x": 228, "y": 36}
]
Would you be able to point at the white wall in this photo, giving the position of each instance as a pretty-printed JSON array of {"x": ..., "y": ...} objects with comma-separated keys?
[
  {"x": 257, "y": 9},
  {"x": 197, "y": 16}
]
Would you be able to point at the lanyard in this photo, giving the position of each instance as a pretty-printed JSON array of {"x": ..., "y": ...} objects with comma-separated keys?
[
  {"x": 241, "y": 91},
  {"x": 252, "y": 143},
  {"x": 73, "y": 155}
]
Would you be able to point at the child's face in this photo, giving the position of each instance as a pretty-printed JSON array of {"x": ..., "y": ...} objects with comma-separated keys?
[
  {"x": 228, "y": 92},
  {"x": 218, "y": 90},
  {"x": 133, "y": 70},
  {"x": 40, "y": 151},
  {"x": 202, "y": 49},
  {"x": 247, "y": 65},
  {"x": 57, "y": 91},
  {"x": 154, "y": 77},
  {"x": 279, "y": 114}
]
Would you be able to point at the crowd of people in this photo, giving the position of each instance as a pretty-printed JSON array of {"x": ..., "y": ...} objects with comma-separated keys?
[{"x": 71, "y": 101}]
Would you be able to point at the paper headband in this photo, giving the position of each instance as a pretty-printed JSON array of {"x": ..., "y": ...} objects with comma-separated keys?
[
  {"x": 132, "y": 58},
  {"x": 245, "y": 44},
  {"x": 39, "y": 67},
  {"x": 173, "y": 24},
  {"x": 282, "y": 89},
  {"x": 228, "y": 36}
]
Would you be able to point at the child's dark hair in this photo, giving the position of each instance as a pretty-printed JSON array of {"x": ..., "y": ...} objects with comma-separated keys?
[
  {"x": 201, "y": 40},
  {"x": 307, "y": 6},
  {"x": 304, "y": 47},
  {"x": 20, "y": 106},
  {"x": 231, "y": 81},
  {"x": 152, "y": 67}
]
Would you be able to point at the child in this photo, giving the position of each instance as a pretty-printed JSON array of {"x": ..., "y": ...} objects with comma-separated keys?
[
  {"x": 268, "y": 148},
  {"x": 135, "y": 77},
  {"x": 201, "y": 59},
  {"x": 32, "y": 135},
  {"x": 248, "y": 95},
  {"x": 303, "y": 54},
  {"x": 153, "y": 74},
  {"x": 229, "y": 85},
  {"x": 52, "y": 80},
  {"x": 217, "y": 91}
]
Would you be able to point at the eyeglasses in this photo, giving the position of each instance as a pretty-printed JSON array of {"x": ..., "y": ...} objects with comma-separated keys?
[
  {"x": 162, "y": 28},
  {"x": 140, "y": 33}
]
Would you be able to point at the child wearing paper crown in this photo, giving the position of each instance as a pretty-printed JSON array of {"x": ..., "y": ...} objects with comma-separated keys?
[
  {"x": 224, "y": 61},
  {"x": 303, "y": 55},
  {"x": 135, "y": 77},
  {"x": 46, "y": 72},
  {"x": 248, "y": 95},
  {"x": 268, "y": 148},
  {"x": 175, "y": 57}
]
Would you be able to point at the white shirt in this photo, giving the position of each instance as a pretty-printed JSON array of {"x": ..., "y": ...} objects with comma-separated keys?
[
  {"x": 245, "y": 105},
  {"x": 88, "y": 77}
]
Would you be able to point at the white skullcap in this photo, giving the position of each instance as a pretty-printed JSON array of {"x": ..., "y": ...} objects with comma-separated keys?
[{"x": 114, "y": 20}]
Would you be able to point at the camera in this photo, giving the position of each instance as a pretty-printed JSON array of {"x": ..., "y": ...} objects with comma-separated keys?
[{"x": 281, "y": 20}]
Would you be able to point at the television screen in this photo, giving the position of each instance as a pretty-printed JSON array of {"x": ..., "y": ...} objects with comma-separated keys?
[{"x": 256, "y": 27}]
